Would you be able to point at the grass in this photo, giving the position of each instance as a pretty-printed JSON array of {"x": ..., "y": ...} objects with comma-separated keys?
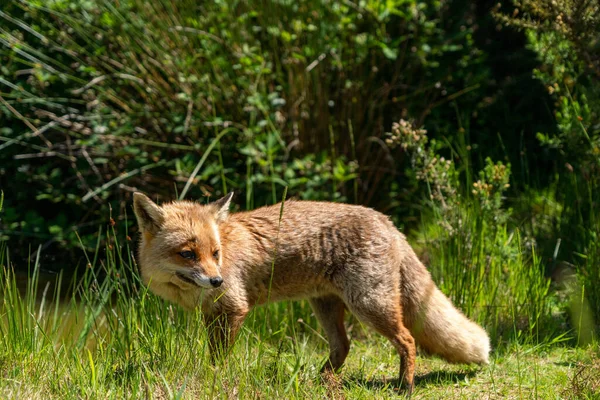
[
  {"x": 103, "y": 335},
  {"x": 108, "y": 337}
]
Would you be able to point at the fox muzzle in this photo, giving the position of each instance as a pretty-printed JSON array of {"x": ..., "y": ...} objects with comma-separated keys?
[{"x": 198, "y": 279}]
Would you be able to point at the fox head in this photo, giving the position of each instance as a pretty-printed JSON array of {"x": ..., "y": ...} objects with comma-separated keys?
[{"x": 180, "y": 248}]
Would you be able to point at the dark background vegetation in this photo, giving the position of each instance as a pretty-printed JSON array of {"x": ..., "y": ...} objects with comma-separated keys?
[{"x": 103, "y": 98}]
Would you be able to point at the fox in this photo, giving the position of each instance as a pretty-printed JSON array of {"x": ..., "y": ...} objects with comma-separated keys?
[{"x": 337, "y": 256}]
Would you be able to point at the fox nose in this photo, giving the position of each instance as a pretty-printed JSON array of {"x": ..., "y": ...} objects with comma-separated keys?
[{"x": 216, "y": 282}]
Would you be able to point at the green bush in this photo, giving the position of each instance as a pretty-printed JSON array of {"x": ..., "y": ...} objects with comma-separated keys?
[
  {"x": 475, "y": 254},
  {"x": 104, "y": 98},
  {"x": 191, "y": 99},
  {"x": 565, "y": 34}
]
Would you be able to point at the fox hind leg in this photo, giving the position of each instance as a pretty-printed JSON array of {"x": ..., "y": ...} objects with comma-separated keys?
[
  {"x": 405, "y": 345},
  {"x": 384, "y": 314},
  {"x": 329, "y": 311}
]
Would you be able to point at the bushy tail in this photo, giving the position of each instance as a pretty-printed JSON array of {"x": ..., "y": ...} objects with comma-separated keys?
[
  {"x": 437, "y": 326},
  {"x": 445, "y": 331}
]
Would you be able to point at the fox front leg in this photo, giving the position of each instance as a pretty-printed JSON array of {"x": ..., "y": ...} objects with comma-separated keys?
[{"x": 222, "y": 330}]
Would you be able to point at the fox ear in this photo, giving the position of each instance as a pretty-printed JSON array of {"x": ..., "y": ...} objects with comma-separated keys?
[
  {"x": 221, "y": 207},
  {"x": 149, "y": 215}
]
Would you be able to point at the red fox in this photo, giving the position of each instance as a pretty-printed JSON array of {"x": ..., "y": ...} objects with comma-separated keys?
[{"x": 338, "y": 256}]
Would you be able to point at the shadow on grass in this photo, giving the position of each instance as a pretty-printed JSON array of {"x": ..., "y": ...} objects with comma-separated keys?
[
  {"x": 444, "y": 377},
  {"x": 433, "y": 377}
]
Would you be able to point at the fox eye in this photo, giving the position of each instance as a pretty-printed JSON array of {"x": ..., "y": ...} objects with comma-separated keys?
[
  {"x": 188, "y": 255},
  {"x": 216, "y": 254}
]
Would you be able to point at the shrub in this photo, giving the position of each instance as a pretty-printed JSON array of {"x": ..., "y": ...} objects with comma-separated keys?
[{"x": 104, "y": 98}]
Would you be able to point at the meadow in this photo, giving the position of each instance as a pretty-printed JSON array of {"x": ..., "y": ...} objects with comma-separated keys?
[
  {"x": 111, "y": 338},
  {"x": 475, "y": 127}
]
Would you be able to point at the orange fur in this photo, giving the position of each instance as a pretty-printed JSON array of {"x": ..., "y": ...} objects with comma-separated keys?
[{"x": 336, "y": 255}]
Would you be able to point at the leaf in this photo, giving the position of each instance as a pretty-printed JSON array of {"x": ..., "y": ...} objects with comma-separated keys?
[{"x": 391, "y": 54}]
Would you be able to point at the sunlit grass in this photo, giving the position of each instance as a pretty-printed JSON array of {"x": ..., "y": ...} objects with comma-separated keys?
[{"x": 111, "y": 338}]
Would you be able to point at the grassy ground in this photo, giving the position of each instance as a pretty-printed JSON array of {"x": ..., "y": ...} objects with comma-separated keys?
[
  {"x": 118, "y": 341},
  {"x": 103, "y": 335},
  {"x": 112, "y": 339},
  {"x": 260, "y": 367}
]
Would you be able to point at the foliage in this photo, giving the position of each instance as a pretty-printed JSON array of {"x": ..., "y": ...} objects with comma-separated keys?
[
  {"x": 104, "y": 98},
  {"x": 193, "y": 99},
  {"x": 473, "y": 253},
  {"x": 114, "y": 339},
  {"x": 576, "y": 21},
  {"x": 565, "y": 35}
]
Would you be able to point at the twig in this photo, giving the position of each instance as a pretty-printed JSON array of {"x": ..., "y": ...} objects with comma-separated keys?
[
  {"x": 122, "y": 178},
  {"x": 197, "y": 31},
  {"x": 66, "y": 122},
  {"x": 99, "y": 79},
  {"x": 128, "y": 188},
  {"x": 87, "y": 157},
  {"x": 30, "y": 145},
  {"x": 188, "y": 117},
  {"x": 35, "y": 131},
  {"x": 316, "y": 62},
  {"x": 43, "y": 154},
  {"x": 128, "y": 140}
]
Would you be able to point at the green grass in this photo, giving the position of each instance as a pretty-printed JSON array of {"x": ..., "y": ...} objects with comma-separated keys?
[
  {"x": 103, "y": 335},
  {"x": 111, "y": 338}
]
